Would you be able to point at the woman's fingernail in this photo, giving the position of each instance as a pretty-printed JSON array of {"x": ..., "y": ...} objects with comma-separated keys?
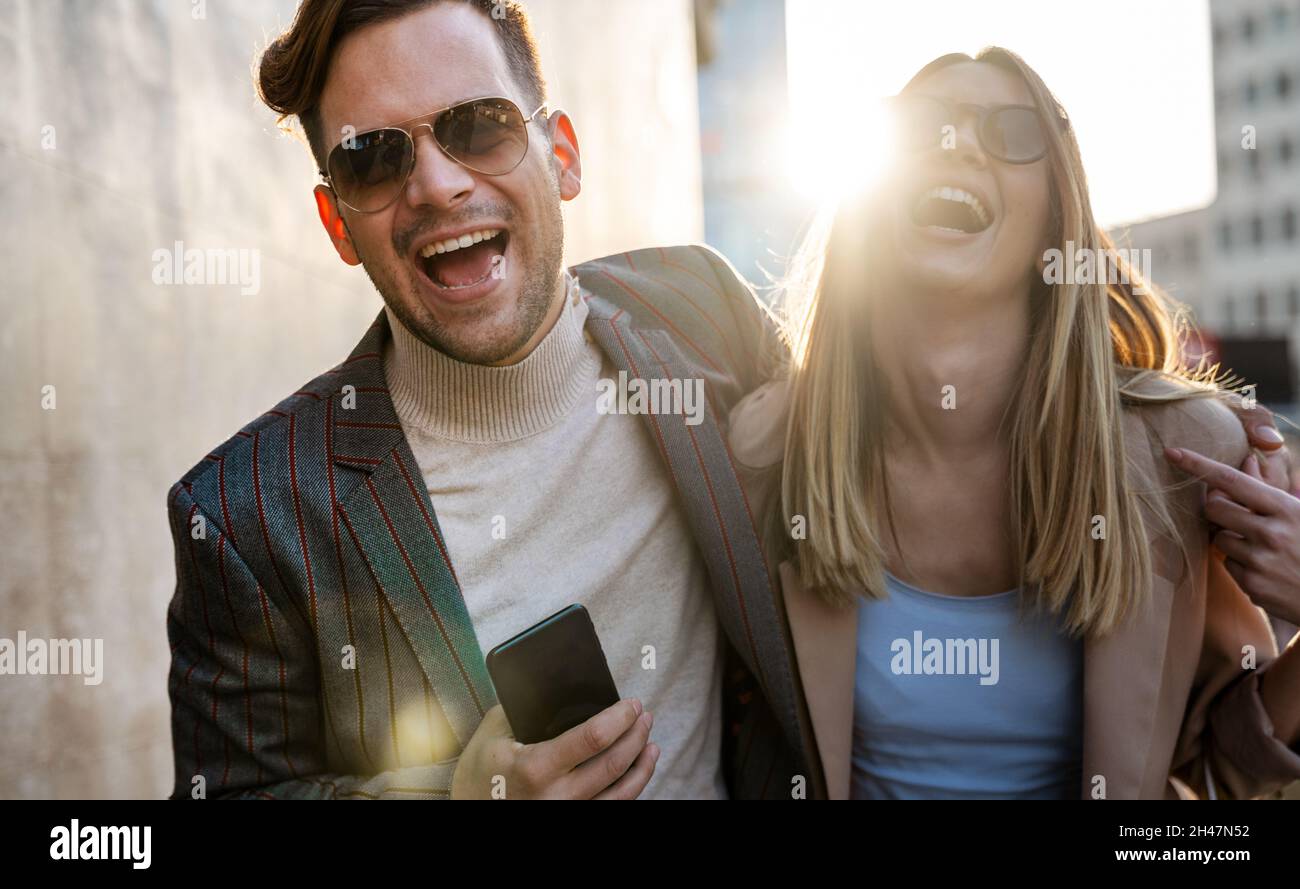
[
  {"x": 1268, "y": 433},
  {"x": 1173, "y": 453}
]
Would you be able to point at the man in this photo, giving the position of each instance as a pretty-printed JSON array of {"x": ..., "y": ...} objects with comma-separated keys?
[{"x": 345, "y": 560}]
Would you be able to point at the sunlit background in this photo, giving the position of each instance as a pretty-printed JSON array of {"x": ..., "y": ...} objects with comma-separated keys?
[
  {"x": 1161, "y": 94},
  {"x": 1134, "y": 76}
]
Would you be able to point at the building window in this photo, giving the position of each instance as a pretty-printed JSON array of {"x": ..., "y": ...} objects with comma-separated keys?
[
  {"x": 1191, "y": 249},
  {"x": 1229, "y": 314},
  {"x": 1293, "y": 302},
  {"x": 1257, "y": 230},
  {"x": 1261, "y": 306},
  {"x": 1288, "y": 224},
  {"x": 1252, "y": 160},
  {"x": 1248, "y": 28},
  {"x": 1252, "y": 91},
  {"x": 1225, "y": 235},
  {"x": 1285, "y": 150},
  {"x": 1283, "y": 84}
]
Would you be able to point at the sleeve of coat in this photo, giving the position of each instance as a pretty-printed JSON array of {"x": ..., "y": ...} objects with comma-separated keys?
[
  {"x": 1227, "y": 748},
  {"x": 247, "y": 719}
]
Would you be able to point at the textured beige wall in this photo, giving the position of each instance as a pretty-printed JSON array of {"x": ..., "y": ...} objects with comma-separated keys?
[{"x": 157, "y": 137}]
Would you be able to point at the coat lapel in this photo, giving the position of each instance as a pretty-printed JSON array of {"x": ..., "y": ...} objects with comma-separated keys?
[
  {"x": 1124, "y": 671},
  {"x": 385, "y": 511},
  {"x": 705, "y": 478},
  {"x": 1123, "y": 674},
  {"x": 825, "y": 641}
]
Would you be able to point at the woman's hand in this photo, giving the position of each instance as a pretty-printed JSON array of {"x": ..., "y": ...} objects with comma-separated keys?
[{"x": 1260, "y": 529}]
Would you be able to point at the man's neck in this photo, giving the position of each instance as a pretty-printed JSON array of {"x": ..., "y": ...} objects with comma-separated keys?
[{"x": 558, "y": 297}]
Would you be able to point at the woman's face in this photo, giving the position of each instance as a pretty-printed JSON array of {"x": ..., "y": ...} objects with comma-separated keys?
[{"x": 966, "y": 224}]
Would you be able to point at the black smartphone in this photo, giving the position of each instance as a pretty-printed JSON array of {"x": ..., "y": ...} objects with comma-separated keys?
[{"x": 552, "y": 676}]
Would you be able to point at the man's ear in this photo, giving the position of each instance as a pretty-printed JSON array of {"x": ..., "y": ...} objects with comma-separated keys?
[
  {"x": 565, "y": 155},
  {"x": 332, "y": 219}
]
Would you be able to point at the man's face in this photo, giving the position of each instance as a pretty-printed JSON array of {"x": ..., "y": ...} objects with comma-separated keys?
[{"x": 491, "y": 302}]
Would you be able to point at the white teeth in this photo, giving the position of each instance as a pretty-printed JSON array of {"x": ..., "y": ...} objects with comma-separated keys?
[
  {"x": 946, "y": 193},
  {"x": 466, "y": 240}
]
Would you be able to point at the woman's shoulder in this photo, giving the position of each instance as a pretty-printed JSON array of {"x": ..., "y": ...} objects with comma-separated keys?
[
  {"x": 1180, "y": 413},
  {"x": 757, "y": 424}
]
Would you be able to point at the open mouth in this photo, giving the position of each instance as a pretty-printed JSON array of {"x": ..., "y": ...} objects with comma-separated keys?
[
  {"x": 951, "y": 209},
  {"x": 461, "y": 262}
]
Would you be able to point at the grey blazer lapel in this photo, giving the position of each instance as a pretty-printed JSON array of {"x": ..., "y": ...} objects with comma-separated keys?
[
  {"x": 706, "y": 481},
  {"x": 386, "y": 515}
]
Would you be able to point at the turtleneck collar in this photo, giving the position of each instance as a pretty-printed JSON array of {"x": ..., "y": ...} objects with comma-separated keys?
[{"x": 482, "y": 404}]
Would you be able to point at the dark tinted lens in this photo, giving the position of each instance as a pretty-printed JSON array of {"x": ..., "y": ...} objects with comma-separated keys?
[
  {"x": 367, "y": 170},
  {"x": 488, "y": 135},
  {"x": 919, "y": 121},
  {"x": 1014, "y": 134}
]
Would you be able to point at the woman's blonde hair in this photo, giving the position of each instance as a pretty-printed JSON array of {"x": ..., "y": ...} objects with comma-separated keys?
[{"x": 1090, "y": 345}]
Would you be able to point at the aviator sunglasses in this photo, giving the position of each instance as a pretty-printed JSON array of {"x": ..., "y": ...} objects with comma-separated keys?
[{"x": 369, "y": 170}]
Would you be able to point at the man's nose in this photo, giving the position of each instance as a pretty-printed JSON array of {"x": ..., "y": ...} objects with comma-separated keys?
[{"x": 436, "y": 180}]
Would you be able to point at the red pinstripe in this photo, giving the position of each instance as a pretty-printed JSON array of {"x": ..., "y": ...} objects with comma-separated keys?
[
  {"x": 660, "y": 315},
  {"x": 713, "y": 288},
  {"x": 364, "y": 461},
  {"x": 203, "y": 595},
  {"x": 234, "y": 624},
  {"x": 731, "y": 356},
  {"x": 225, "y": 505},
  {"x": 659, "y": 438},
  {"x": 297, "y": 513},
  {"x": 388, "y": 667},
  {"x": 343, "y": 582},
  {"x": 284, "y": 700},
  {"x": 722, "y": 528},
  {"x": 261, "y": 516},
  {"x": 347, "y": 523},
  {"x": 428, "y": 520},
  {"x": 392, "y": 531}
]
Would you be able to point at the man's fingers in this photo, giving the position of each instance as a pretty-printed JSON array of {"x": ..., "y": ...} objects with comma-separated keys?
[
  {"x": 1222, "y": 511},
  {"x": 1251, "y": 493},
  {"x": 636, "y": 778},
  {"x": 582, "y": 742},
  {"x": 605, "y": 769}
]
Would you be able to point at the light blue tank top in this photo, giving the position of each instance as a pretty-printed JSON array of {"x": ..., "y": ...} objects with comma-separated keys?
[{"x": 962, "y": 698}]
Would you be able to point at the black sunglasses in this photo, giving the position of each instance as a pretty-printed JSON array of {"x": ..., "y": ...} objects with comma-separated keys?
[
  {"x": 1010, "y": 133},
  {"x": 489, "y": 136}
]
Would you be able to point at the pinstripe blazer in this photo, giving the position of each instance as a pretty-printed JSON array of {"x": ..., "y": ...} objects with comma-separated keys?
[{"x": 320, "y": 646}]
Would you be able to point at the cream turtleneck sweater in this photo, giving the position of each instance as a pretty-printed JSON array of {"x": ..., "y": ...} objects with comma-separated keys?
[{"x": 544, "y": 501}]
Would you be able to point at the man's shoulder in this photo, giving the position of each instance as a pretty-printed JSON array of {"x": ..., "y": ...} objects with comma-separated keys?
[
  {"x": 695, "y": 294},
  {"x": 659, "y": 277}
]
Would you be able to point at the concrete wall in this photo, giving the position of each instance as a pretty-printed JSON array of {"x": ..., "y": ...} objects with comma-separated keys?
[{"x": 128, "y": 126}]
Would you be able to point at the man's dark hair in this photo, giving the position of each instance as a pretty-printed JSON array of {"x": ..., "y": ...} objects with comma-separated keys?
[{"x": 292, "y": 71}]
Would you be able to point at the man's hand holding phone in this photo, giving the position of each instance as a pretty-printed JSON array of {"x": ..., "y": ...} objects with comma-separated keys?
[{"x": 607, "y": 757}]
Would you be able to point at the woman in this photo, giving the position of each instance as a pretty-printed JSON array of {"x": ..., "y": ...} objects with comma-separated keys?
[{"x": 996, "y": 584}]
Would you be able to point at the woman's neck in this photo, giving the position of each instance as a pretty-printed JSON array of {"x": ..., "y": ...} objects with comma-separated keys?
[{"x": 951, "y": 372}]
